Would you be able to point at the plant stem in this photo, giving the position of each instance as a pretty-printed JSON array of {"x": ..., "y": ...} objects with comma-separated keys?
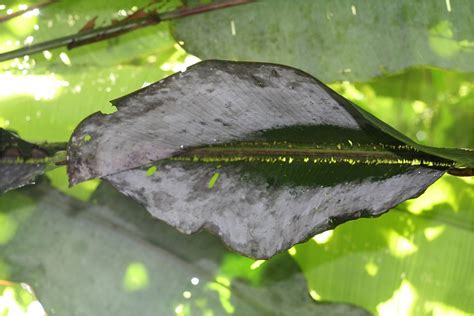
[
  {"x": 461, "y": 172},
  {"x": 103, "y": 33}
]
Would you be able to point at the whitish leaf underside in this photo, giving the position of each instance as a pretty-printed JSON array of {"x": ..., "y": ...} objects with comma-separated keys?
[{"x": 261, "y": 154}]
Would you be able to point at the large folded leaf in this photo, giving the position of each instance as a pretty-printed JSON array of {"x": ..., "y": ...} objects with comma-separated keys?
[
  {"x": 337, "y": 40},
  {"x": 112, "y": 258},
  {"x": 263, "y": 155}
]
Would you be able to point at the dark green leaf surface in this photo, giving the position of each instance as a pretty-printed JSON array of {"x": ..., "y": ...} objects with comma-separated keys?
[
  {"x": 263, "y": 155},
  {"x": 111, "y": 258},
  {"x": 464, "y": 158},
  {"x": 337, "y": 40}
]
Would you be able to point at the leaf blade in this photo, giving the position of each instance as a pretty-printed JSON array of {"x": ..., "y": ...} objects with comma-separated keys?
[
  {"x": 277, "y": 137},
  {"x": 193, "y": 116}
]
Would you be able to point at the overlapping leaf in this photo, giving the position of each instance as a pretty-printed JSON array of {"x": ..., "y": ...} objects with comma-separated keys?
[{"x": 20, "y": 161}]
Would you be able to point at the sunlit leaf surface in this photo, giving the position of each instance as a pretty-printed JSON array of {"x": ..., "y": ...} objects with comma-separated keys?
[
  {"x": 415, "y": 260},
  {"x": 18, "y": 299},
  {"x": 109, "y": 257}
]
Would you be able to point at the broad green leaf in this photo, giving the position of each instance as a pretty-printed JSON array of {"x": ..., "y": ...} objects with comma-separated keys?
[
  {"x": 110, "y": 257},
  {"x": 432, "y": 106},
  {"x": 463, "y": 157},
  {"x": 21, "y": 162},
  {"x": 408, "y": 102},
  {"x": 49, "y": 107},
  {"x": 414, "y": 260},
  {"x": 337, "y": 40},
  {"x": 263, "y": 155}
]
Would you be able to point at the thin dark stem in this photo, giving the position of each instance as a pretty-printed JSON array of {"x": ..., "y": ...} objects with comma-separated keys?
[
  {"x": 103, "y": 33},
  {"x": 461, "y": 172},
  {"x": 38, "y": 5}
]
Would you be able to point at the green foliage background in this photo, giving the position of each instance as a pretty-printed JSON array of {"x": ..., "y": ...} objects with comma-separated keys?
[{"x": 414, "y": 260}]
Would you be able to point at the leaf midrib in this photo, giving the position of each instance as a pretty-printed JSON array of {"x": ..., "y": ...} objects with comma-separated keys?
[{"x": 305, "y": 153}]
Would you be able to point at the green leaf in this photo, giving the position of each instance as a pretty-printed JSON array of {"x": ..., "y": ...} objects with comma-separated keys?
[
  {"x": 294, "y": 158},
  {"x": 463, "y": 157},
  {"x": 110, "y": 258},
  {"x": 416, "y": 259},
  {"x": 430, "y": 105},
  {"x": 336, "y": 40},
  {"x": 68, "y": 17},
  {"x": 43, "y": 97},
  {"x": 18, "y": 299}
]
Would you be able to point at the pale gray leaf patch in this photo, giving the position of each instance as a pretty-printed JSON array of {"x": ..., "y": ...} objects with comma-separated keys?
[
  {"x": 212, "y": 102},
  {"x": 254, "y": 219}
]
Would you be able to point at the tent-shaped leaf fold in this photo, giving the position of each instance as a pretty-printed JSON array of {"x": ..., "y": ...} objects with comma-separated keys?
[{"x": 293, "y": 157}]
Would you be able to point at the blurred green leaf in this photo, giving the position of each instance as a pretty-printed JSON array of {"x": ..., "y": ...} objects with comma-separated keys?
[
  {"x": 337, "y": 40},
  {"x": 432, "y": 106},
  {"x": 109, "y": 257},
  {"x": 18, "y": 299},
  {"x": 416, "y": 260}
]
